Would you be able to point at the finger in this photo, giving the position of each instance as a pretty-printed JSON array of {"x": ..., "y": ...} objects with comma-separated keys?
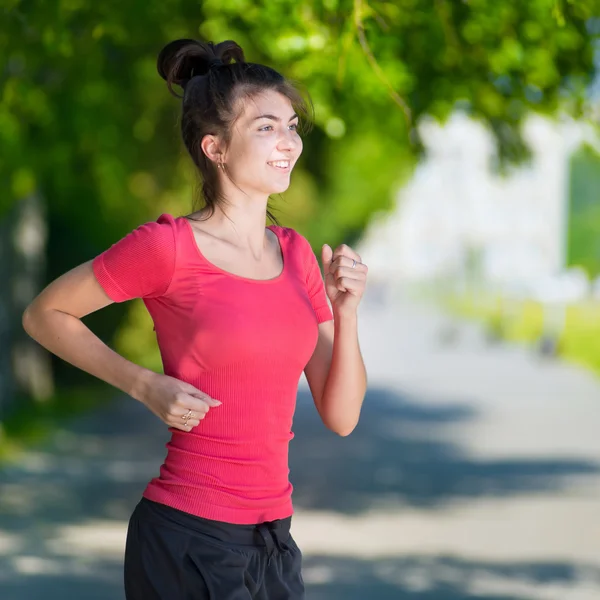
[
  {"x": 346, "y": 261},
  {"x": 196, "y": 393},
  {"x": 187, "y": 426},
  {"x": 180, "y": 421},
  {"x": 326, "y": 257},
  {"x": 345, "y": 250},
  {"x": 191, "y": 423},
  {"x": 191, "y": 414},
  {"x": 210, "y": 401},
  {"x": 195, "y": 400},
  {"x": 189, "y": 419},
  {"x": 348, "y": 273},
  {"x": 353, "y": 286}
]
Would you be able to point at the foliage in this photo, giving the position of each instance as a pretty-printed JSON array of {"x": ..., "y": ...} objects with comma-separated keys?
[
  {"x": 86, "y": 120},
  {"x": 577, "y": 325},
  {"x": 584, "y": 214},
  {"x": 84, "y": 115}
]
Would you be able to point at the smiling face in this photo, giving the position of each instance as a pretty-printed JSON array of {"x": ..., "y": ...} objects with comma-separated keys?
[{"x": 264, "y": 145}]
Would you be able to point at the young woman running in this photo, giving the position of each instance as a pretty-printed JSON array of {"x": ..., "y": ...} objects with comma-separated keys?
[{"x": 240, "y": 310}]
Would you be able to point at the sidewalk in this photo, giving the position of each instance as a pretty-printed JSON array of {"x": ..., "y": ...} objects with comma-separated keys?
[{"x": 473, "y": 474}]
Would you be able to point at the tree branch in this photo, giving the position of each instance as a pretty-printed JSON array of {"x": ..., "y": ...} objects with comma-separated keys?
[{"x": 362, "y": 38}]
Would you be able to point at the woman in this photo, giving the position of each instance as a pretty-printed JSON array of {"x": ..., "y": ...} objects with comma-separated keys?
[{"x": 240, "y": 311}]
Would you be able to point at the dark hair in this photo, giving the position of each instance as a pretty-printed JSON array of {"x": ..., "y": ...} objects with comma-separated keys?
[{"x": 214, "y": 77}]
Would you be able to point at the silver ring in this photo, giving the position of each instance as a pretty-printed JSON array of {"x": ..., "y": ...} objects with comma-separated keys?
[{"x": 353, "y": 263}]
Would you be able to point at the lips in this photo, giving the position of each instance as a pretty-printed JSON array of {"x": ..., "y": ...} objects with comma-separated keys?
[{"x": 280, "y": 165}]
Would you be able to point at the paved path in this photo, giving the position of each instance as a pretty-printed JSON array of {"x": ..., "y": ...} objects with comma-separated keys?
[{"x": 474, "y": 474}]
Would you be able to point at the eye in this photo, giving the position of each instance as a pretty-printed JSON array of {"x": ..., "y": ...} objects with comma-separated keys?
[
  {"x": 266, "y": 127},
  {"x": 294, "y": 126}
]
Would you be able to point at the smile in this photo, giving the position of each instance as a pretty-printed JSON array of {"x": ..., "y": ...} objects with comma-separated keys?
[{"x": 281, "y": 165}]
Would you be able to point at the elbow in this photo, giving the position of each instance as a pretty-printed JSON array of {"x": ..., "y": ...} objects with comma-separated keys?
[
  {"x": 342, "y": 429},
  {"x": 345, "y": 432},
  {"x": 337, "y": 419},
  {"x": 29, "y": 319},
  {"x": 26, "y": 320}
]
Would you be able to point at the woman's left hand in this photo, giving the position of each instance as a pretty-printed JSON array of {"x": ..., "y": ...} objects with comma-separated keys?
[{"x": 345, "y": 277}]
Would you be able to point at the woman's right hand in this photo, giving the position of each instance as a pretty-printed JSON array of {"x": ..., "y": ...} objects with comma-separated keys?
[
  {"x": 171, "y": 399},
  {"x": 59, "y": 308}
]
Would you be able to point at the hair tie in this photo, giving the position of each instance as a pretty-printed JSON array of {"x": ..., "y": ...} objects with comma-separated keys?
[{"x": 215, "y": 62}]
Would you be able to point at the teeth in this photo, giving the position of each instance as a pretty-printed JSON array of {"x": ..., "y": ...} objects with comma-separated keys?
[{"x": 281, "y": 163}]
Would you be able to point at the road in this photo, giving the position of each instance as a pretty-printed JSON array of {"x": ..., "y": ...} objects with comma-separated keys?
[{"x": 473, "y": 474}]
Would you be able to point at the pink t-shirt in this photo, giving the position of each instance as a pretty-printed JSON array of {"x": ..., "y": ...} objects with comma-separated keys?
[{"x": 244, "y": 342}]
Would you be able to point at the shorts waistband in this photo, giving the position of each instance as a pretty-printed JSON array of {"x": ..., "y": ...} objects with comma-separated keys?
[{"x": 231, "y": 533}]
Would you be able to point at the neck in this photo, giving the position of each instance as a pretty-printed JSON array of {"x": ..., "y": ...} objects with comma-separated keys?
[{"x": 241, "y": 220}]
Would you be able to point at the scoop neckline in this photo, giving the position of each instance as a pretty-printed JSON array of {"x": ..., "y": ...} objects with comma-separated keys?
[{"x": 275, "y": 279}]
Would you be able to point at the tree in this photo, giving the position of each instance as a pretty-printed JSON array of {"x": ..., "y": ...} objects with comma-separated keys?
[{"x": 87, "y": 124}]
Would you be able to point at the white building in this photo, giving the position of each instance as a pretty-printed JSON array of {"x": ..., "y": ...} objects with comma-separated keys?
[{"x": 456, "y": 207}]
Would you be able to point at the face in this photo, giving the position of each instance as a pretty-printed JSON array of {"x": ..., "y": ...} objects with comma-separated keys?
[{"x": 265, "y": 144}]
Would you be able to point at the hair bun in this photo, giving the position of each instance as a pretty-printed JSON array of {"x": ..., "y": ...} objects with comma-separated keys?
[
  {"x": 183, "y": 59},
  {"x": 215, "y": 62}
]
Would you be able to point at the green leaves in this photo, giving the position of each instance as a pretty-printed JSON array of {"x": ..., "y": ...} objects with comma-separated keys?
[
  {"x": 86, "y": 120},
  {"x": 82, "y": 108}
]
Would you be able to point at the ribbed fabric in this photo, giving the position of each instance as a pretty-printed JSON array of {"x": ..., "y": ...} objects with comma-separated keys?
[{"x": 244, "y": 342}]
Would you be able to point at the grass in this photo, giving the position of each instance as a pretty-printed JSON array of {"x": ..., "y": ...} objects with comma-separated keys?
[{"x": 575, "y": 327}]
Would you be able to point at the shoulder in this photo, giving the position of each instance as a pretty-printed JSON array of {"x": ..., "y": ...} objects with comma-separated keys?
[
  {"x": 152, "y": 243},
  {"x": 141, "y": 264},
  {"x": 156, "y": 238},
  {"x": 162, "y": 229},
  {"x": 300, "y": 249},
  {"x": 151, "y": 232},
  {"x": 294, "y": 238}
]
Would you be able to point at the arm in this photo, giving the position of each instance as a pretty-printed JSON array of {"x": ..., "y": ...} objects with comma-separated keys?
[
  {"x": 53, "y": 320},
  {"x": 336, "y": 374},
  {"x": 138, "y": 266}
]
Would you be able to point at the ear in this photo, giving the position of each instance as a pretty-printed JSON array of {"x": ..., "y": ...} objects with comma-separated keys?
[{"x": 210, "y": 145}]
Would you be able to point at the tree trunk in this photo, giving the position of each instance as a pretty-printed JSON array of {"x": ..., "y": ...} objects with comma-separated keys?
[{"x": 25, "y": 367}]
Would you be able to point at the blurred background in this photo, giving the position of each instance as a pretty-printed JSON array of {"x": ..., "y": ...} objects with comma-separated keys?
[{"x": 456, "y": 147}]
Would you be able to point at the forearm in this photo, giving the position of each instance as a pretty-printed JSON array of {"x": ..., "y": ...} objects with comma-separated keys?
[
  {"x": 346, "y": 383},
  {"x": 68, "y": 338}
]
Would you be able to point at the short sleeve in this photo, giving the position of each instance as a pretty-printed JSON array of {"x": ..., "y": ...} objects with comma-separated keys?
[
  {"x": 314, "y": 283},
  {"x": 141, "y": 264}
]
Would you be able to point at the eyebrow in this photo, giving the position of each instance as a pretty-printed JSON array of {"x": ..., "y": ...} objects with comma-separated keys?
[{"x": 273, "y": 117}]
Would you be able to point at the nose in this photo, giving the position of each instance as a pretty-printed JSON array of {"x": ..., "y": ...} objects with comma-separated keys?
[{"x": 288, "y": 140}]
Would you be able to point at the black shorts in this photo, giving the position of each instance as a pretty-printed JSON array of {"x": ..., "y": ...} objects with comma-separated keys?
[{"x": 172, "y": 555}]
